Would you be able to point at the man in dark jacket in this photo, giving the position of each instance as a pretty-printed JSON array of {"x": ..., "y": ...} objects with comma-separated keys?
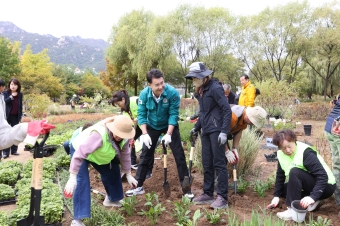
[
  {"x": 230, "y": 95},
  {"x": 334, "y": 143},
  {"x": 214, "y": 123}
]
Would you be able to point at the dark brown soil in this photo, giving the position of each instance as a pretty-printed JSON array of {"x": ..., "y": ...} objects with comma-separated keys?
[{"x": 241, "y": 204}]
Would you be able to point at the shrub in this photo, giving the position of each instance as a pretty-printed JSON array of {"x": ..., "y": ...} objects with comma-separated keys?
[
  {"x": 314, "y": 111},
  {"x": 247, "y": 150},
  {"x": 37, "y": 105},
  {"x": 197, "y": 158},
  {"x": 282, "y": 100},
  {"x": 185, "y": 128}
]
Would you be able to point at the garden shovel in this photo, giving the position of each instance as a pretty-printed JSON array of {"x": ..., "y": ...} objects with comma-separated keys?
[
  {"x": 235, "y": 178},
  {"x": 166, "y": 185},
  {"x": 34, "y": 217},
  {"x": 187, "y": 182}
]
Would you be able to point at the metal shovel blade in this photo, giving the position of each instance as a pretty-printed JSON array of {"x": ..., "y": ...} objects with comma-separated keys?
[{"x": 187, "y": 182}]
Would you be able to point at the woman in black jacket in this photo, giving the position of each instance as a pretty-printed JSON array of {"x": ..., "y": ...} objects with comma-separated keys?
[
  {"x": 13, "y": 99},
  {"x": 214, "y": 121}
]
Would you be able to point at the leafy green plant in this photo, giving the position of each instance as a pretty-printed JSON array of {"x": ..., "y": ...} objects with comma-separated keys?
[
  {"x": 260, "y": 188},
  {"x": 181, "y": 210},
  {"x": 194, "y": 221},
  {"x": 6, "y": 192},
  {"x": 319, "y": 221},
  {"x": 281, "y": 125},
  {"x": 153, "y": 210},
  {"x": 103, "y": 216},
  {"x": 214, "y": 217},
  {"x": 185, "y": 127},
  {"x": 3, "y": 218},
  {"x": 129, "y": 205},
  {"x": 242, "y": 185},
  {"x": 37, "y": 105},
  {"x": 153, "y": 213}
]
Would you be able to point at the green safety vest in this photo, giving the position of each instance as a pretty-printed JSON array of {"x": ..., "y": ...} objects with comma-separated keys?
[
  {"x": 133, "y": 107},
  {"x": 296, "y": 160},
  {"x": 105, "y": 153}
]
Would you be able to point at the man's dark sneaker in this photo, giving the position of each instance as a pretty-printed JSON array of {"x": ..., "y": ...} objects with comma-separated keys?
[
  {"x": 219, "y": 203},
  {"x": 15, "y": 153},
  {"x": 271, "y": 157},
  {"x": 5, "y": 156},
  {"x": 203, "y": 199}
]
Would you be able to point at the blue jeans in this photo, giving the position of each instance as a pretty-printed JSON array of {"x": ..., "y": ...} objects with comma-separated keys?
[{"x": 110, "y": 176}]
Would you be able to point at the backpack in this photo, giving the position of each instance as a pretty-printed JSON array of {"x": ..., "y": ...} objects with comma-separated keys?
[{"x": 257, "y": 92}]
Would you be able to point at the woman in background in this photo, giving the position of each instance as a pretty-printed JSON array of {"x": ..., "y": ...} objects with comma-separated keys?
[
  {"x": 13, "y": 99},
  {"x": 129, "y": 107}
]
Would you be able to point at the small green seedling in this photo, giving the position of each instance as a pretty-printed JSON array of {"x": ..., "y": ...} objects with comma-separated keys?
[
  {"x": 129, "y": 205},
  {"x": 213, "y": 217}
]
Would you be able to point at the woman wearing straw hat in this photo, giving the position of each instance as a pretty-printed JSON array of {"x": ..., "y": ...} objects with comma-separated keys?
[
  {"x": 302, "y": 174},
  {"x": 104, "y": 145}
]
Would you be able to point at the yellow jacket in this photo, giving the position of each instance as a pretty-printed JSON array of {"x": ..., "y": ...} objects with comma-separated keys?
[{"x": 247, "y": 96}]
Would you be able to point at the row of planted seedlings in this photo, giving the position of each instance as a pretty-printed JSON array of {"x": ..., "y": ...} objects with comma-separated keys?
[
  {"x": 15, "y": 185},
  {"x": 51, "y": 201}
]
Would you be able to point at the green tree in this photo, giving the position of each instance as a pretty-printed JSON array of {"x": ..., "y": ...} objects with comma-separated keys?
[
  {"x": 91, "y": 84},
  {"x": 321, "y": 47},
  {"x": 9, "y": 59},
  {"x": 36, "y": 75},
  {"x": 266, "y": 42}
]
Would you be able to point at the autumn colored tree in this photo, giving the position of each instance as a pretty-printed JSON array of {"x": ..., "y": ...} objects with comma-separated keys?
[{"x": 36, "y": 75}]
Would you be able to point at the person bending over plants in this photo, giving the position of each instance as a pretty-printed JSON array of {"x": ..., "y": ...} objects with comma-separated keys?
[
  {"x": 241, "y": 118},
  {"x": 104, "y": 145},
  {"x": 302, "y": 174}
]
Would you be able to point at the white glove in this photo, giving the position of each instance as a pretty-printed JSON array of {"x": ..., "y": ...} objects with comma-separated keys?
[
  {"x": 306, "y": 201},
  {"x": 146, "y": 139},
  {"x": 167, "y": 139},
  {"x": 236, "y": 154},
  {"x": 231, "y": 156},
  {"x": 222, "y": 138},
  {"x": 274, "y": 203},
  {"x": 70, "y": 185},
  {"x": 131, "y": 180}
]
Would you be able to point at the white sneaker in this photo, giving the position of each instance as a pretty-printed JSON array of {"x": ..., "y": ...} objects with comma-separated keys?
[
  {"x": 77, "y": 223},
  {"x": 285, "y": 215},
  {"x": 107, "y": 202},
  {"x": 136, "y": 191},
  {"x": 135, "y": 166}
]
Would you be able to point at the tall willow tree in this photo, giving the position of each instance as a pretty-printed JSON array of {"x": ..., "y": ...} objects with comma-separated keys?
[
  {"x": 266, "y": 42},
  {"x": 321, "y": 46},
  {"x": 126, "y": 54}
]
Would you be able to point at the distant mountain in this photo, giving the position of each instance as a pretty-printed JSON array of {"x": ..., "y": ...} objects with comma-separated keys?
[{"x": 83, "y": 53}]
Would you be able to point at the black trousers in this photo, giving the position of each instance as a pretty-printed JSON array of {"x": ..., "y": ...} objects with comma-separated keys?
[
  {"x": 213, "y": 160},
  {"x": 12, "y": 120},
  {"x": 301, "y": 184},
  {"x": 147, "y": 155}
]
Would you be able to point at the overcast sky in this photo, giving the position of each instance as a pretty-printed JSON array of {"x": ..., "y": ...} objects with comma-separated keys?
[{"x": 94, "y": 18}]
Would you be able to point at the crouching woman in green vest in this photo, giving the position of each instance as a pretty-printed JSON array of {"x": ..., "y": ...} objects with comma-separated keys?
[
  {"x": 302, "y": 174},
  {"x": 105, "y": 145}
]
